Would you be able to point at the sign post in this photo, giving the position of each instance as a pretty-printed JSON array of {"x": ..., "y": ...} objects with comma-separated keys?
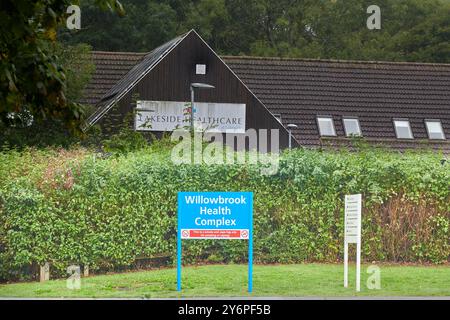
[
  {"x": 215, "y": 215},
  {"x": 353, "y": 235}
]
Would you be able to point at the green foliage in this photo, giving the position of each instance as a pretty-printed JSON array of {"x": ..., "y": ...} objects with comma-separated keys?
[
  {"x": 127, "y": 139},
  {"x": 27, "y": 130},
  {"x": 146, "y": 25},
  {"x": 76, "y": 207},
  {"x": 78, "y": 65},
  {"x": 31, "y": 79},
  {"x": 38, "y": 134},
  {"x": 411, "y": 30}
]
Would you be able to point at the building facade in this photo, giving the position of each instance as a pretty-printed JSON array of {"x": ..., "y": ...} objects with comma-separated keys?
[{"x": 332, "y": 103}]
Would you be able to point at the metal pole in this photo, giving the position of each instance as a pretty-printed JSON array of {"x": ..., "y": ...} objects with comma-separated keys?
[
  {"x": 250, "y": 250},
  {"x": 179, "y": 260},
  {"x": 290, "y": 139},
  {"x": 345, "y": 264},
  {"x": 192, "y": 109},
  {"x": 358, "y": 265}
]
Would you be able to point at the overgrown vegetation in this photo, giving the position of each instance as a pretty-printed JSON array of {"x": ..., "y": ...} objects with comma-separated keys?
[{"x": 80, "y": 207}]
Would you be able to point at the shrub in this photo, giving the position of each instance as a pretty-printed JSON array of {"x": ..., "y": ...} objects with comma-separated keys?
[
  {"x": 126, "y": 140},
  {"x": 75, "y": 207}
]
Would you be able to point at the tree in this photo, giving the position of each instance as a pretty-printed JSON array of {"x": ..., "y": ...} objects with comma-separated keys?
[
  {"x": 146, "y": 25},
  {"x": 428, "y": 40},
  {"x": 331, "y": 29},
  {"x": 79, "y": 66},
  {"x": 21, "y": 129},
  {"x": 210, "y": 18},
  {"x": 31, "y": 79}
]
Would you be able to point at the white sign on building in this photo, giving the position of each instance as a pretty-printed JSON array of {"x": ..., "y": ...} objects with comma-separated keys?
[
  {"x": 352, "y": 234},
  {"x": 171, "y": 115}
]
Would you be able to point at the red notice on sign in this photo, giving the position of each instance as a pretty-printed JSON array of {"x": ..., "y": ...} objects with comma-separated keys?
[{"x": 214, "y": 234}]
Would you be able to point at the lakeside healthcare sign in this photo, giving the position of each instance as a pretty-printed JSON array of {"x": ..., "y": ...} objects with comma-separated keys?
[
  {"x": 170, "y": 115},
  {"x": 215, "y": 215}
]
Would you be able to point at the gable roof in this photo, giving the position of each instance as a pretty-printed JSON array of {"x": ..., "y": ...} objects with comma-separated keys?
[
  {"x": 128, "y": 79},
  {"x": 142, "y": 67},
  {"x": 301, "y": 89}
]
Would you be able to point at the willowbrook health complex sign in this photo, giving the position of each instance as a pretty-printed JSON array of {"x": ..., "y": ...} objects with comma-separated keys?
[{"x": 215, "y": 215}]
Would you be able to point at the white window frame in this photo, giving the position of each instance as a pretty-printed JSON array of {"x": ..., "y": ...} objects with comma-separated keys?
[
  {"x": 318, "y": 118},
  {"x": 440, "y": 126},
  {"x": 394, "y": 122},
  {"x": 345, "y": 127}
]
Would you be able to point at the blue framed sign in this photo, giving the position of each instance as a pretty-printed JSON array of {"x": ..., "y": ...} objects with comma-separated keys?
[{"x": 215, "y": 215}]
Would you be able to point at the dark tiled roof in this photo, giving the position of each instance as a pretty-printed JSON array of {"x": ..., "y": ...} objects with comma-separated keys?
[
  {"x": 110, "y": 67},
  {"x": 376, "y": 92},
  {"x": 301, "y": 89},
  {"x": 143, "y": 64}
]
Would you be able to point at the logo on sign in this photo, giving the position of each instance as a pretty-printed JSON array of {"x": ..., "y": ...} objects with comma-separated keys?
[{"x": 185, "y": 234}]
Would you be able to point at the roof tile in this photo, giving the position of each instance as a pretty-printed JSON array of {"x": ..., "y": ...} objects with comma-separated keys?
[{"x": 301, "y": 89}]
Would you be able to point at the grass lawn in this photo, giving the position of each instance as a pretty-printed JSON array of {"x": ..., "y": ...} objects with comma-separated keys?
[{"x": 231, "y": 281}]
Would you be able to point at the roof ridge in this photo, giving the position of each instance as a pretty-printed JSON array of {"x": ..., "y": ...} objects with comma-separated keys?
[
  {"x": 245, "y": 57},
  {"x": 119, "y": 52}
]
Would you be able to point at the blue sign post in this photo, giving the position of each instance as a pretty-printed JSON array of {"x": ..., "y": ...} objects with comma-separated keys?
[{"x": 215, "y": 215}]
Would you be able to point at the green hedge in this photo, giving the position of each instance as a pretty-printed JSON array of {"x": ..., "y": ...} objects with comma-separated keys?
[{"x": 75, "y": 207}]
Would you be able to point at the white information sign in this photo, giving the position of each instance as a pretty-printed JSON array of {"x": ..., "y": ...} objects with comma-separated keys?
[
  {"x": 353, "y": 204},
  {"x": 171, "y": 115}
]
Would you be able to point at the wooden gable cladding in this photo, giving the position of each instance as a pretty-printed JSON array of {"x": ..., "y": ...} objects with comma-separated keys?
[{"x": 170, "y": 80}]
